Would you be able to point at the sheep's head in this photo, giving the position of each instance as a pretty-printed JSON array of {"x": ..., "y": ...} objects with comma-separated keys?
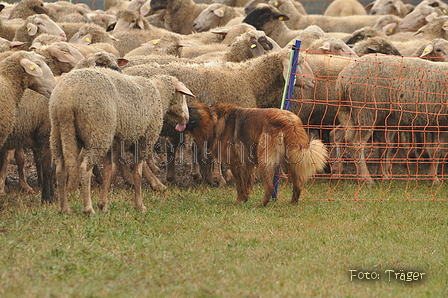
[
  {"x": 263, "y": 14},
  {"x": 40, "y": 23},
  {"x": 40, "y": 77},
  {"x": 158, "y": 4}
]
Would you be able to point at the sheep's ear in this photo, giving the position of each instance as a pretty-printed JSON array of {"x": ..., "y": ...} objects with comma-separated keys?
[
  {"x": 61, "y": 55},
  {"x": 369, "y": 6},
  {"x": 180, "y": 87},
  {"x": 184, "y": 44},
  {"x": 35, "y": 46},
  {"x": 219, "y": 12},
  {"x": 389, "y": 28},
  {"x": 32, "y": 29},
  {"x": 140, "y": 24},
  {"x": 144, "y": 10},
  {"x": 325, "y": 47},
  {"x": 122, "y": 61},
  {"x": 87, "y": 39},
  {"x": 445, "y": 26},
  {"x": 398, "y": 6},
  {"x": 282, "y": 17},
  {"x": 113, "y": 38},
  {"x": 428, "y": 50},
  {"x": 373, "y": 49},
  {"x": 421, "y": 30},
  {"x": 16, "y": 44},
  {"x": 31, "y": 67},
  {"x": 40, "y": 10},
  {"x": 151, "y": 43},
  {"x": 431, "y": 16},
  {"x": 222, "y": 31},
  {"x": 256, "y": 48},
  {"x": 111, "y": 27}
]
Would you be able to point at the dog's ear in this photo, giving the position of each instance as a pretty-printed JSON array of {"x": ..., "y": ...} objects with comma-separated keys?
[{"x": 194, "y": 119}]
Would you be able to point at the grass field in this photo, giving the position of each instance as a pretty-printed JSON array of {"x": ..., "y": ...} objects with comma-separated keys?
[{"x": 193, "y": 242}]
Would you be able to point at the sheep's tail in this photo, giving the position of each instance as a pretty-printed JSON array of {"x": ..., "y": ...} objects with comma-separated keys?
[
  {"x": 69, "y": 151},
  {"x": 307, "y": 161}
]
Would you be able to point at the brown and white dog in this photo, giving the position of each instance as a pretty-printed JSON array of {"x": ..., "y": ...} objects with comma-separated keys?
[{"x": 245, "y": 138}]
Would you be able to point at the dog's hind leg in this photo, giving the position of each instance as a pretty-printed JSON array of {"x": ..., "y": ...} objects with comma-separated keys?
[
  {"x": 244, "y": 180},
  {"x": 267, "y": 172}
]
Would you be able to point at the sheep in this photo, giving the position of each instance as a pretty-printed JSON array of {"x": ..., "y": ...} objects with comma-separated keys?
[
  {"x": 129, "y": 19},
  {"x": 101, "y": 59},
  {"x": 8, "y": 29},
  {"x": 269, "y": 19},
  {"x": 331, "y": 46},
  {"x": 288, "y": 8},
  {"x": 342, "y": 8},
  {"x": 128, "y": 110},
  {"x": 215, "y": 15},
  {"x": 90, "y": 34},
  {"x": 376, "y": 92},
  {"x": 43, "y": 40},
  {"x": 62, "y": 11},
  {"x": 101, "y": 18},
  {"x": 308, "y": 36},
  {"x": 436, "y": 28},
  {"x": 436, "y": 50},
  {"x": 251, "y": 44},
  {"x": 257, "y": 82},
  {"x": 388, "y": 24},
  {"x": 169, "y": 44},
  {"x": 383, "y": 7},
  {"x": 297, "y": 6},
  {"x": 36, "y": 25},
  {"x": 27, "y": 8},
  {"x": 422, "y": 14},
  {"x": 317, "y": 107},
  {"x": 19, "y": 71},
  {"x": 376, "y": 45},
  {"x": 60, "y": 57},
  {"x": 6, "y": 45},
  {"x": 179, "y": 14},
  {"x": 234, "y": 3}
]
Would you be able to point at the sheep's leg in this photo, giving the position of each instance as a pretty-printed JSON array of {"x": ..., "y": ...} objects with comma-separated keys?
[
  {"x": 171, "y": 158},
  {"x": 386, "y": 155},
  {"x": 434, "y": 153},
  {"x": 125, "y": 172},
  {"x": 5, "y": 158},
  {"x": 153, "y": 181},
  {"x": 108, "y": 170},
  {"x": 337, "y": 136},
  {"x": 86, "y": 176},
  {"x": 138, "y": 201},
  {"x": 47, "y": 176},
  {"x": 19, "y": 155},
  {"x": 356, "y": 143},
  {"x": 61, "y": 180},
  {"x": 37, "y": 155}
]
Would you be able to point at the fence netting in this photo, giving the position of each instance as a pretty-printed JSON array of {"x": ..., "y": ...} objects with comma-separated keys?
[{"x": 384, "y": 120}]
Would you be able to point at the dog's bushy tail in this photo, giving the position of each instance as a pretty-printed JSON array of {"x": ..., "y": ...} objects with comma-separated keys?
[{"x": 312, "y": 158}]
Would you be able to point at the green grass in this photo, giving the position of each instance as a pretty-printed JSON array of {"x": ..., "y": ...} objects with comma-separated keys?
[{"x": 193, "y": 242}]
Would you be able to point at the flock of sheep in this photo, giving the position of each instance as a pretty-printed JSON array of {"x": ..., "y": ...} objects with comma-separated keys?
[{"x": 79, "y": 87}]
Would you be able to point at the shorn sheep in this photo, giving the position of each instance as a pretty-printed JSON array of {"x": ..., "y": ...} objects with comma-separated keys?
[
  {"x": 343, "y": 8},
  {"x": 95, "y": 109},
  {"x": 19, "y": 71},
  {"x": 379, "y": 92}
]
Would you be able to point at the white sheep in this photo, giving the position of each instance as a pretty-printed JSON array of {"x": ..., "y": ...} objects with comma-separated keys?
[
  {"x": 102, "y": 110},
  {"x": 36, "y": 25},
  {"x": 436, "y": 50},
  {"x": 179, "y": 14},
  {"x": 19, "y": 71},
  {"x": 383, "y": 7},
  {"x": 269, "y": 19},
  {"x": 424, "y": 12},
  {"x": 407, "y": 94},
  {"x": 216, "y": 15},
  {"x": 343, "y": 8},
  {"x": 27, "y": 8}
]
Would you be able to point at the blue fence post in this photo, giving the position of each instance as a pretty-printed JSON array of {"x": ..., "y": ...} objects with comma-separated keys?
[{"x": 286, "y": 99}]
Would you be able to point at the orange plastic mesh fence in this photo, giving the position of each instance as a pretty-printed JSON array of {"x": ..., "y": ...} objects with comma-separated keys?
[{"x": 384, "y": 120}]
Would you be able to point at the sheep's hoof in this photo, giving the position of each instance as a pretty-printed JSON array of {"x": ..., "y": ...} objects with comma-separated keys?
[
  {"x": 66, "y": 211},
  {"x": 141, "y": 208},
  {"x": 88, "y": 210},
  {"x": 103, "y": 207},
  {"x": 28, "y": 189},
  {"x": 159, "y": 187},
  {"x": 221, "y": 182}
]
